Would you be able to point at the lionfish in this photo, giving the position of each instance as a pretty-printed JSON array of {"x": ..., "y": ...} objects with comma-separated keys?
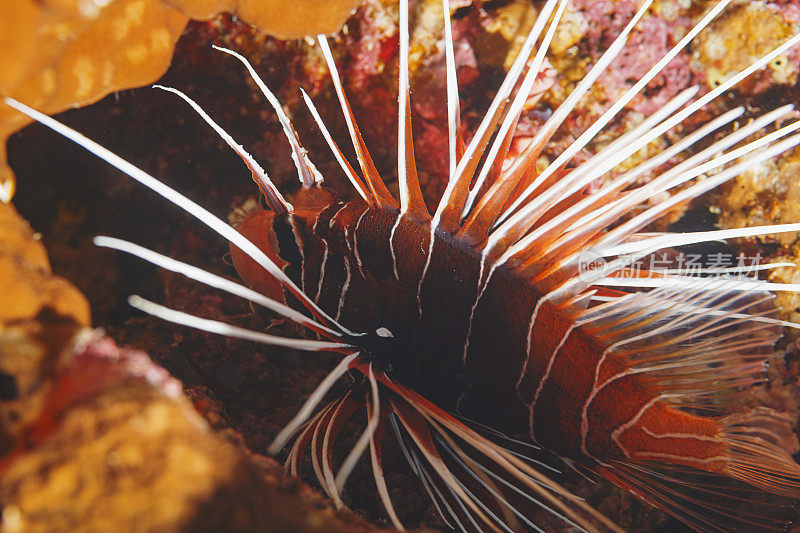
[{"x": 477, "y": 336}]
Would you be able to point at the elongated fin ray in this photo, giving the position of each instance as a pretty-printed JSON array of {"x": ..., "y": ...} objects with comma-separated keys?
[
  {"x": 215, "y": 281},
  {"x": 344, "y": 411},
  {"x": 678, "y": 176},
  {"x": 375, "y": 455},
  {"x": 311, "y": 402},
  {"x": 420, "y": 434},
  {"x": 500, "y": 144},
  {"x": 308, "y": 174},
  {"x": 506, "y": 233},
  {"x": 448, "y": 213},
  {"x": 305, "y": 431},
  {"x": 682, "y": 493},
  {"x": 651, "y": 245},
  {"x": 488, "y": 208},
  {"x": 591, "y": 214},
  {"x": 474, "y": 469},
  {"x": 220, "y": 328},
  {"x": 532, "y": 478},
  {"x": 363, "y": 441},
  {"x": 271, "y": 193},
  {"x": 675, "y": 119},
  {"x": 194, "y": 209},
  {"x": 665, "y": 181},
  {"x": 433, "y": 491},
  {"x": 618, "y": 105},
  {"x": 455, "y": 138},
  {"x": 380, "y": 193},
  {"x": 566, "y": 107},
  {"x": 346, "y": 168},
  {"x": 592, "y": 222},
  {"x": 411, "y": 201},
  {"x": 319, "y": 459}
]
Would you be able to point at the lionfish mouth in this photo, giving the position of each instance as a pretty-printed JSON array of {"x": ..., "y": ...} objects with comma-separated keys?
[{"x": 608, "y": 366}]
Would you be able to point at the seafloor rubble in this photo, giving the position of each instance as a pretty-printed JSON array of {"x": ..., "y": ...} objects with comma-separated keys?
[{"x": 246, "y": 393}]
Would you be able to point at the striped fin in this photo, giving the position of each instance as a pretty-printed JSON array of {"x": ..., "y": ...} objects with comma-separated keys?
[
  {"x": 375, "y": 455},
  {"x": 499, "y": 147},
  {"x": 617, "y": 106},
  {"x": 687, "y": 343},
  {"x": 346, "y": 167},
  {"x": 488, "y": 208},
  {"x": 420, "y": 434},
  {"x": 480, "y": 219},
  {"x": 341, "y": 415},
  {"x": 473, "y": 481},
  {"x": 455, "y": 137},
  {"x": 517, "y": 224},
  {"x": 303, "y": 440},
  {"x": 321, "y": 455},
  {"x": 203, "y": 215},
  {"x": 422, "y": 417}
]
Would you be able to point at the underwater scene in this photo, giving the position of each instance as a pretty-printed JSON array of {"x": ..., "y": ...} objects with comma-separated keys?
[{"x": 439, "y": 265}]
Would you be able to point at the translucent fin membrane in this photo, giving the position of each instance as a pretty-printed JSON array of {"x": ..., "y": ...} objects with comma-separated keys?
[
  {"x": 499, "y": 147},
  {"x": 617, "y": 106},
  {"x": 706, "y": 502},
  {"x": 380, "y": 193},
  {"x": 571, "y": 509},
  {"x": 492, "y": 207},
  {"x": 451, "y": 205},
  {"x": 518, "y": 223},
  {"x": 346, "y": 168}
]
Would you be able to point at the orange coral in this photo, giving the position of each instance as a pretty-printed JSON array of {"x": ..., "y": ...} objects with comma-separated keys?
[
  {"x": 27, "y": 288},
  {"x": 57, "y": 54}
]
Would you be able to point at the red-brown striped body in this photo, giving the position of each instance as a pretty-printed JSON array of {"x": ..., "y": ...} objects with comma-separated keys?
[{"x": 508, "y": 359}]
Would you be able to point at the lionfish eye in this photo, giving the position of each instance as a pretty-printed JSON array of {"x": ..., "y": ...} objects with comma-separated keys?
[{"x": 383, "y": 332}]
